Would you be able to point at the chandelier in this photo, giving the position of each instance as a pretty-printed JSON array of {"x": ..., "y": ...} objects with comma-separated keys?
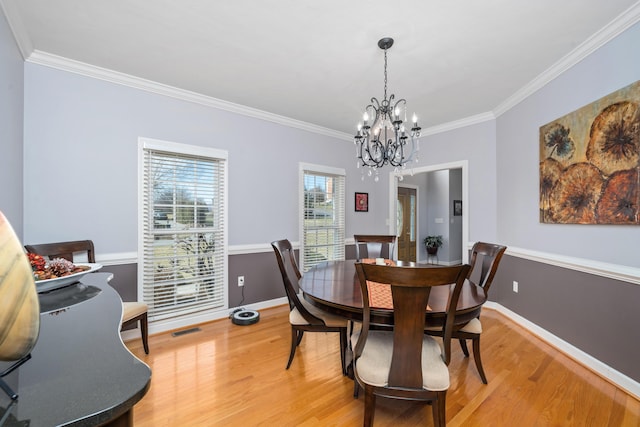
[{"x": 382, "y": 138}]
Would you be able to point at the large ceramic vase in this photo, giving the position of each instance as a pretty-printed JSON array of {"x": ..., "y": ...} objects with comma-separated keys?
[{"x": 19, "y": 306}]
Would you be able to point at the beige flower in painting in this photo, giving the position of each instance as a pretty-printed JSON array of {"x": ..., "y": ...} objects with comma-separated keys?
[
  {"x": 614, "y": 140},
  {"x": 575, "y": 196}
]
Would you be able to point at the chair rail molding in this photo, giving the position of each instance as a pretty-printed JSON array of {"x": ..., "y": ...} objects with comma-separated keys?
[
  {"x": 604, "y": 269},
  {"x": 612, "y": 271}
]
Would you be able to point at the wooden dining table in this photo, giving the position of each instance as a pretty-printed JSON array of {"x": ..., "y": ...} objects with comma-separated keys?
[{"x": 333, "y": 286}]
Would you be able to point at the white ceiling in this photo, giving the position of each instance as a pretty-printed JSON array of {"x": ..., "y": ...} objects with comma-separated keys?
[{"x": 318, "y": 61}]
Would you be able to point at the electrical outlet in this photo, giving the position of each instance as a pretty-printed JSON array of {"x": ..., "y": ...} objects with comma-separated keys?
[
  {"x": 515, "y": 286},
  {"x": 240, "y": 280}
]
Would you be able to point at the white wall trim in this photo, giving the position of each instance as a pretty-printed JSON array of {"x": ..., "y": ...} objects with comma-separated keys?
[
  {"x": 625, "y": 20},
  {"x": 256, "y": 248},
  {"x": 607, "y": 372},
  {"x": 117, "y": 258},
  {"x": 196, "y": 319},
  {"x": 18, "y": 29},
  {"x": 77, "y": 67},
  {"x": 457, "y": 124},
  {"x": 603, "y": 269}
]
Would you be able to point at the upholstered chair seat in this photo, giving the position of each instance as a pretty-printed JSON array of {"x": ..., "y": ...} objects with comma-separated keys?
[
  {"x": 295, "y": 318},
  {"x": 374, "y": 364}
]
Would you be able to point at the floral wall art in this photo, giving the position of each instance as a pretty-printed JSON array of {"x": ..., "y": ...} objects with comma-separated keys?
[{"x": 589, "y": 162}]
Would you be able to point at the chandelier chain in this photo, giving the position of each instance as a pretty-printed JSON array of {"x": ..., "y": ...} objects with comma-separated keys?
[{"x": 385, "y": 74}]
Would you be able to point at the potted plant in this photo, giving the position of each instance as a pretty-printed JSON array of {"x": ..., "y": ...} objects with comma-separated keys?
[{"x": 432, "y": 243}]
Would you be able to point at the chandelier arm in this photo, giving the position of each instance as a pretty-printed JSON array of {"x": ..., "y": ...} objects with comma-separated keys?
[{"x": 398, "y": 102}]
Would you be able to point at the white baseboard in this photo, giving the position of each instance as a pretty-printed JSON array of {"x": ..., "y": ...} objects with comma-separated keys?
[
  {"x": 607, "y": 372},
  {"x": 190, "y": 321}
]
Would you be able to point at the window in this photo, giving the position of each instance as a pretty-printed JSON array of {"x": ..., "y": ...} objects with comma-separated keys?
[
  {"x": 322, "y": 214},
  {"x": 183, "y": 239}
]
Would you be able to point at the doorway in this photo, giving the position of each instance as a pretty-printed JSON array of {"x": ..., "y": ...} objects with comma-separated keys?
[
  {"x": 394, "y": 185},
  {"x": 407, "y": 223}
]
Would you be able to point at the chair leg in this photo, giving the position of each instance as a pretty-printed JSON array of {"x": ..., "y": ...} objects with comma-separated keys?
[
  {"x": 478, "y": 360},
  {"x": 300, "y": 334},
  {"x": 295, "y": 340},
  {"x": 463, "y": 346},
  {"x": 356, "y": 389},
  {"x": 144, "y": 330},
  {"x": 343, "y": 350},
  {"x": 369, "y": 406},
  {"x": 439, "y": 409}
]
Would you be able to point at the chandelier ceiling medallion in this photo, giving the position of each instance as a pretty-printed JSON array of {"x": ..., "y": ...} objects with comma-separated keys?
[{"x": 382, "y": 138}]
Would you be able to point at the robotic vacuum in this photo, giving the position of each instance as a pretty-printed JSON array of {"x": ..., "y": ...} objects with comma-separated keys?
[{"x": 245, "y": 317}]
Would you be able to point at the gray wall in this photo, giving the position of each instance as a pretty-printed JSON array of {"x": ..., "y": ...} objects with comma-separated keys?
[
  {"x": 11, "y": 116},
  {"x": 437, "y": 205},
  {"x": 455, "y": 222},
  {"x": 596, "y": 314},
  {"x": 608, "y": 69},
  {"x": 477, "y": 145}
]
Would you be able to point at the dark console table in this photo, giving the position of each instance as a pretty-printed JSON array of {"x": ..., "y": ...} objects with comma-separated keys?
[{"x": 80, "y": 372}]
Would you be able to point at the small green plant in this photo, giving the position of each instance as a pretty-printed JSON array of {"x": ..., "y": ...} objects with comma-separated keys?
[{"x": 433, "y": 241}]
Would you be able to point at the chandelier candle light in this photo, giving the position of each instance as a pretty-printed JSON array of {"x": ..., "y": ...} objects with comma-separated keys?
[{"x": 384, "y": 140}]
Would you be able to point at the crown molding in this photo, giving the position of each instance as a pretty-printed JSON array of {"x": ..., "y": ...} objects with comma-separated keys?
[
  {"x": 625, "y": 20},
  {"x": 457, "y": 124},
  {"x": 18, "y": 29},
  {"x": 77, "y": 67}
]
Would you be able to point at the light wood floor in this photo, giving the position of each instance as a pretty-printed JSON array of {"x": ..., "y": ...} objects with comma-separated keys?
[{"x": 229, "y": 375}]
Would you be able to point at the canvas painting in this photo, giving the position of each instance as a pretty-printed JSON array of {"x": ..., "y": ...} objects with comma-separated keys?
[{"x": 589, "y": 162}]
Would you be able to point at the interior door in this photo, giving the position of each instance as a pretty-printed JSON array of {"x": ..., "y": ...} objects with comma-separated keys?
[{"x": 407, "y": 221}]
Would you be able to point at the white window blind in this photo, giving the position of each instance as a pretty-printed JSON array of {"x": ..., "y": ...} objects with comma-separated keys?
[
  {"x": 184, "y": 238},
  {"x": 322, "y": 215}
]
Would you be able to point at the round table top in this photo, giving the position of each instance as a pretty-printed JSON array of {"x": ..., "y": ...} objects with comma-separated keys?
[{"x": 334, "y": 287}]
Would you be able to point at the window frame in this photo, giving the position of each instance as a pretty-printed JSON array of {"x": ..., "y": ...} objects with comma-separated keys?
[
  {"x": 146, "y": 144},
  {"x": 327, "y": 171}
]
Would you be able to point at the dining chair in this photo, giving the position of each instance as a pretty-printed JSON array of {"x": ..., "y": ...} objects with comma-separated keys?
[
  {"x": 404, "y": 363},
  {"x": 374, "y": 245},
  {"x": 133, "y": 312},
  {"x": 485, "y": 258},
  {"x": 303, "y": 316}
]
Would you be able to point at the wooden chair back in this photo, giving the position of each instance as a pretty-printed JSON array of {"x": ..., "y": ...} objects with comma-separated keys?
[
  {"x": 64, "y": 250},
  {"x": 290, "y": 277},
  {"x": 410, "y": 290},
  {"x": 374, "y": 244},
  {"x": 485, "y": 258}
]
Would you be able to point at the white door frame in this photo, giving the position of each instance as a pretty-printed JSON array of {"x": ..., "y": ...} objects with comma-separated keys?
[{"x": 393, "y": 197}]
